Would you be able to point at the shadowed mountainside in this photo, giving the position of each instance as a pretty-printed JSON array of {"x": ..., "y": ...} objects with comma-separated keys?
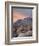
[{"x": 22, "y": 26}]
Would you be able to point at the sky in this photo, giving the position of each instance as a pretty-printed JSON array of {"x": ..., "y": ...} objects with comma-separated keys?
[{"x": 21, "y": 13}]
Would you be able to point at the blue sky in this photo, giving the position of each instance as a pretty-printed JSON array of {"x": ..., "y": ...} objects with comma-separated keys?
[{"x": 24, "y": 11}]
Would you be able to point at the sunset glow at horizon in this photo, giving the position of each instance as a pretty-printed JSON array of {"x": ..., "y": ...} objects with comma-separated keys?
[{"x": 18, "y": 14}]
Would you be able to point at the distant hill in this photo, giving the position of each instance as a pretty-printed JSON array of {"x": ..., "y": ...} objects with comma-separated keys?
[{"x": 25, "y": 21}]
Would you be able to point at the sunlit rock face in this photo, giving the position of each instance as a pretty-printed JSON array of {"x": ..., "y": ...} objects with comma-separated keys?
[{"x": 26, "y": 34}]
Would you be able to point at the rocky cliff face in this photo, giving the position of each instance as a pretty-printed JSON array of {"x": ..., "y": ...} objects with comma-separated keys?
[
  {"x": 25, "y": 21},
  {"x": 22, "y": 27}
]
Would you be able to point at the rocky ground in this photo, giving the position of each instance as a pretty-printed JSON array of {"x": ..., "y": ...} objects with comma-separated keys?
[{"x": 22, "y": 28}]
